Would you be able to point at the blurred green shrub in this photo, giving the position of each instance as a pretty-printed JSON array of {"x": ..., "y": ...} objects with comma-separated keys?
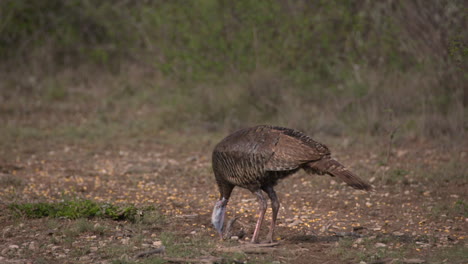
[
  {"x": 357, "y": 64},
  {"x": 309, "y": 40}
]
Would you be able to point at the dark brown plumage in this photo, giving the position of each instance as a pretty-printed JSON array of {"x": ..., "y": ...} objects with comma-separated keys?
[{"x": 256, "y": 158}]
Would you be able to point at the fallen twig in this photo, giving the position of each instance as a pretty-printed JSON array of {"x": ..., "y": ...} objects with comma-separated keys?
[
  {"x": 209, "y": 259},
  {"x": 148, "y": 253},
  {"x": 187, "y": 216},
  {"x": 345, "y": 234},
  {"x": 250, "y": 248}
]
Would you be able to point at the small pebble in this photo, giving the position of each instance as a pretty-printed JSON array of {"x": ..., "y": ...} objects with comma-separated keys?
[{"x": 380, "y": 245}]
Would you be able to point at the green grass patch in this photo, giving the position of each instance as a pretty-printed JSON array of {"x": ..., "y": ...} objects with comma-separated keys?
[
  {"x": 55, "y": 92},
  {"x": 152, "y": 260},
  {"x": 461, "y": 207},
  {"x": 78, "y": 209},
  {"x": 371, "y": 249},
  {"x": 451, "y": 209},
  {"x": 455, "y": 254},
  {"x": 182, "y": 246},
  {"x": 397, "y": 176}
]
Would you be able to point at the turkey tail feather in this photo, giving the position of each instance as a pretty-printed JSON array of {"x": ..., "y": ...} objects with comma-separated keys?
[{"x": 334, "y": 168}]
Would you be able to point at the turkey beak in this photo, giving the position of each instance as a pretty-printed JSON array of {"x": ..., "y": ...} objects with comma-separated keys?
[{"x": 218, "y": 217}]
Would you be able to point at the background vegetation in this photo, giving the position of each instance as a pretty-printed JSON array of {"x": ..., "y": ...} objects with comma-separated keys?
[
  {"x": 109, "y": 111},
  {"x": 93, "y": 68}
]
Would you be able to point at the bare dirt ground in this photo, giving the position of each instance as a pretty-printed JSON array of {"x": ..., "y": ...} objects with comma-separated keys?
[{"x": 417, "y": 213}]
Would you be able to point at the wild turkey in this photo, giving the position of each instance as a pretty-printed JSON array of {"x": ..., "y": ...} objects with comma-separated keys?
[{"x": 256, "y": 158}]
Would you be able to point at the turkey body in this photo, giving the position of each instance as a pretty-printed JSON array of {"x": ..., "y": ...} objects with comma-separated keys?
[{"x": 256, "y": 158}]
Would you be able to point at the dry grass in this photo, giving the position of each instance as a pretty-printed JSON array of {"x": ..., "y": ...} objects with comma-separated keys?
[{"x": 413, "y": 215}]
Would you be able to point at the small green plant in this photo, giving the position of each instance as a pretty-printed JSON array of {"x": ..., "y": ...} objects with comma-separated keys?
[
  {"x": 83, "y": 225},
  {"x": 461, "y": 207},
  {"x": 78, "y": 227},
  {"x": 119, "y": 253},
  {"x": 396, "y": 175},
  {"x": 56, "y": 92},
  {"x": 80, "y": 251},
  {"x": 77, "y": 209},
  {"x": 343, "y": 249},
  {"x": 152, "y": 217}
]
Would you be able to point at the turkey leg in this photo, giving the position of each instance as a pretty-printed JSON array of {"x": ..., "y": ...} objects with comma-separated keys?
[
  {"x": 263, "y": 206},
  {"x": 275, "y": 207}
]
